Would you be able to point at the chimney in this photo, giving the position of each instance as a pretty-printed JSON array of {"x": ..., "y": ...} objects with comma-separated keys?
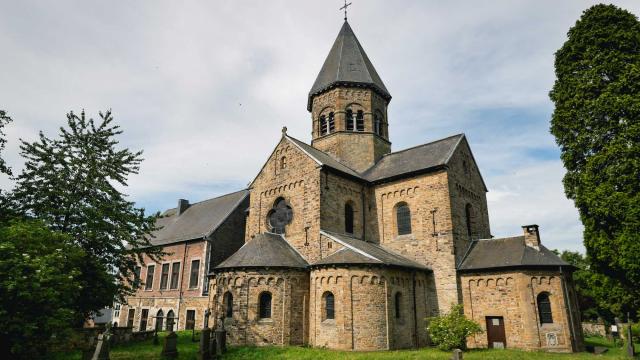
[
  {"x": 183, "y": 205},
  {"x": 531, "y": 236}
]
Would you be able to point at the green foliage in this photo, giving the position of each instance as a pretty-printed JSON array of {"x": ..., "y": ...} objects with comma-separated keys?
[
  {"x": 4, "y": 120},
  {"x": 6, "y": 210},
  {"x": 188, "y": 350},
  {"x": 596, "y": 122},
  {"x": 599, "y": 296},
  {"x": 72, "y": 184},
  {"x": 38, "y": 288},
  {"x": 450, "y": 331}
]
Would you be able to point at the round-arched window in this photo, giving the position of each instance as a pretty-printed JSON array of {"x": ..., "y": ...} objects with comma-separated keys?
[
  {"x": 544, "y": 308},
  {"x": 348, "y": 218},
  {"x": 398, "y": 304},
  {"x": 264, "y": 305},
  {"x": 403, "y": 219},
  {"x": 468, "y": 212},
  {"x": 329, "y": 306},
  {"x": 228, "y": 304}
]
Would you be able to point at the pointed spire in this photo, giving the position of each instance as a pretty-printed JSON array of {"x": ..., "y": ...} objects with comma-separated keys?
[{"x": 347, "y": 64}]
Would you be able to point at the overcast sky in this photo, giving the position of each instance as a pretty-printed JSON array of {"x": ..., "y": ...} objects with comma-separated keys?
[{"x": 204, "y": 87}]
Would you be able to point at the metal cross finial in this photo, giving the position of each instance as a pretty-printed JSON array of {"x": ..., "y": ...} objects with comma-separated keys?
[{"x": 345, "y": 9}]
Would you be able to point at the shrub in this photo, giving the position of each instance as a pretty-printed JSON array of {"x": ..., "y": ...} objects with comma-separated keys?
[{"x": 450, "y": 331}]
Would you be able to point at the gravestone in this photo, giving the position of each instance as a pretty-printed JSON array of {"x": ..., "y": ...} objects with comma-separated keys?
[
  {"x": 88, "y": 345},
  {"x": 203, "y": 347},
  {"x": 212, "y": 346},
  {"x": 170, "y": 346},
  {"x": 457, "y": 354},
  {"x": 221, "y": 338},
  {"x": 630, "y": 350},
  {"x": 102, "y": 348}
]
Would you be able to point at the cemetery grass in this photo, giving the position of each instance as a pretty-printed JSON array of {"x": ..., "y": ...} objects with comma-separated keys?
[{"x": 188, "y": 350}]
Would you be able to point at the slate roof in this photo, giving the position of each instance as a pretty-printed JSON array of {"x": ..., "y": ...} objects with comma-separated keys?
[
  {"x": 199, "y": 220},
  {"x": 265, "y": 250},
  {"x": 508, "y": 253},
  {"x": 347, "y": 64},
  {"x": 422, "y": 157},
  {"x": 362, "y": 252},
  {"x": 393, "y": 165}
]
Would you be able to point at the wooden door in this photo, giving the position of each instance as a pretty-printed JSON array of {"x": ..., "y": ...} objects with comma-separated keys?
[{"x": 495, "y": 332}]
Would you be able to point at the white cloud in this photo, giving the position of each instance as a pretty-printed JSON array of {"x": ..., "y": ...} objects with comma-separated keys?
[{"x": 204, "y": 87}]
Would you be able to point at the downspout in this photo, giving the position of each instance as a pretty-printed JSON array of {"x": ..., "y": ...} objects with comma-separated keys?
[
  {"x": 535, "y": 311},
  {"x": 364, "y": 225},
  {"x": 386, "y": 308},
  {"x": 475, "y": 336},
  {"x": 415, "y": 312},
  {"x": 382, "y": 214},
  {"x": 353, "y": 338},
  {"x": 568, "y": 302},
  {"x": 284, "y": 291},
  {"x": 184, "y": 258},
  {"x": 260, "y": 213}
]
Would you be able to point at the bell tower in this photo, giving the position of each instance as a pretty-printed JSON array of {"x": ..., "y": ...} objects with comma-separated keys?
[{"x": 348, "y": 104}]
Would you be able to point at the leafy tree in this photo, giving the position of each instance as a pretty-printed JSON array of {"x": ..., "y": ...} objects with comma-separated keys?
[
  {"x": 450, "y": 331},
  {"x": 4, "y": 120},
  {"x": 6, "y": 210},
  {"x": 38, "y": 288},
  {"x": 596, "y": 122},
  {"x": 71, "y": 184},
  {"x": 598, "y": 294}
]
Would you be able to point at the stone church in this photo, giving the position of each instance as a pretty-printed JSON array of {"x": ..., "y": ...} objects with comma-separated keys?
[
  {"x": 348, "y": 245},
  {"x": 351, "y": 246}
]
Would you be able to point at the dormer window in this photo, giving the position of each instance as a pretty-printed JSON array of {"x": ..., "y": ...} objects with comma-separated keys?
[
  {"x": 349, "y": 119},
  {"x": 360, "y": 120}
]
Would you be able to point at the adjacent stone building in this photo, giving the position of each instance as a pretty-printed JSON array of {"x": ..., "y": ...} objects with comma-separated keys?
[
  {"x": 351, "y": 246},
  {"x": 196, "y": 238}
]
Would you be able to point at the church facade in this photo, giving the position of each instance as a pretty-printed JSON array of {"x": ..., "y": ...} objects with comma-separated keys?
[{"x": 351, "y": 246}]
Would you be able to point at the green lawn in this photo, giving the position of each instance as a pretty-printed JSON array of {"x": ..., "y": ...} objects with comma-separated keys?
[{"x": 187, "y": 349}]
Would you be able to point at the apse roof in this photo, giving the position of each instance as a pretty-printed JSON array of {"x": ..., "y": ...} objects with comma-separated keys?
[
  {"x": 511, "y": 252},
  {"x": 347, "y": 64},
  {"x": 361, "y": 252},
  {"x": 265, "y": 250}
]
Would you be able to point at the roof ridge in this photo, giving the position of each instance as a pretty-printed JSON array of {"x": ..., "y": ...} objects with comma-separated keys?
[
  {"x": 421, "y": 145},
  {"x": 213, "y": 198},
  {"x": 323, "y": 152},
  {"x": 352, "y": 248}
]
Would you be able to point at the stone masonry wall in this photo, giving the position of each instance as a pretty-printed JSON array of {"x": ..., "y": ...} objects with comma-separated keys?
[
  {"x": 336, "y": 192},
  {"x": 299, "y": 184},
  {"x": 287, "y": 324},
  {"x": 365, "y": 316},
  {"x": 467, "y": 189},
  {"x": 431, "y": 239},
  {"x": 513, "y": 295},
  {"x": 358, "y": 150}
]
